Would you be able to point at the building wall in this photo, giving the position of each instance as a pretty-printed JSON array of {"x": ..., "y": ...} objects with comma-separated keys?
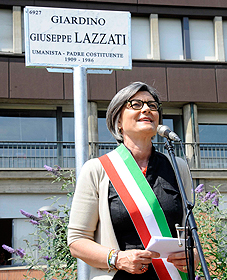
[{"x": 200, "y": 83}]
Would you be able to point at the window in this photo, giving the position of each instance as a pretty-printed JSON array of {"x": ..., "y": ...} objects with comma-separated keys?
[
  {"x": 174, "y": 122},
  {"x": 213, "y": 133},
  {"x": 15, "y": 228},
  {"x": 16, "y": 125},
  {"x": 202, "y": 40},
  {"x": 225, "y": 37},
  {"x": 5, "y": 238},
  {"x": 140, "y": 38},
  {"x": 27, "y": 137},
  {"x": 213, "y": 138},
  {"x": 22, "y": 31},
  {"x": 68, "y": 129},
  {"x": 23, "y": 230},
  {"x": 6, "y": 31},
  {"x": 212, "y": 126},
  {"x": 170, "y": 36},
  {"x": 103, "y": 132}
]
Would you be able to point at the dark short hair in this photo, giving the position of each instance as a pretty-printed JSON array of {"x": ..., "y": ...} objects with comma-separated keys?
[{"x": 118, "y": 101}]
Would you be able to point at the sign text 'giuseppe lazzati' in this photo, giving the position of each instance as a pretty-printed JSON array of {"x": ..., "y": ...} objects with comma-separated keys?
[{"x": 68, "y": 38}]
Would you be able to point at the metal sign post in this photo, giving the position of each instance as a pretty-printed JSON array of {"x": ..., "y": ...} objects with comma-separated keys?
[
  {"x": 81, "y": 139},
  {"x": 81, "y": 132},
  {"x": 79, "y": 42},
  {"x": 80, "y": 116}
]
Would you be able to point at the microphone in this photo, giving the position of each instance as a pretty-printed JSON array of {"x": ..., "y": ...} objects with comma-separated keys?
[{"x": 165, "y": 131}]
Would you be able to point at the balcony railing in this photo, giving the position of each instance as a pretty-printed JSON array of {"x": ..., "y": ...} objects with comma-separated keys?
[{"x": 37, "y": 154}]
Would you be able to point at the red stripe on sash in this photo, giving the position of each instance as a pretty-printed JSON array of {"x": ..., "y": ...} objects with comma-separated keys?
[
  {"x": 160, "y": 269},
  {"x": 126, "y": 198}
]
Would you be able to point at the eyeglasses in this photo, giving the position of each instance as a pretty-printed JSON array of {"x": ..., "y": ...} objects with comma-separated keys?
[{"x": 137, "y": 104}]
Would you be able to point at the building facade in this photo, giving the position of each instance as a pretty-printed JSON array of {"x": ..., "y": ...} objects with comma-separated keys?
[{"x": 178, "y": 47}]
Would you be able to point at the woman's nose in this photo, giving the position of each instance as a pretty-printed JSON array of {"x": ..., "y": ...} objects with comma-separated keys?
[{"x": 145, "y": 107}]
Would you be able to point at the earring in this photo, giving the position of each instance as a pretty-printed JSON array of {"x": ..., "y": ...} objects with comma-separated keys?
[{"x": 120, "y": 129}]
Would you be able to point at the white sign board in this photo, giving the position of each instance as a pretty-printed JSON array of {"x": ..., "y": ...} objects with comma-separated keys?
[{"x": 67, "y": 38}]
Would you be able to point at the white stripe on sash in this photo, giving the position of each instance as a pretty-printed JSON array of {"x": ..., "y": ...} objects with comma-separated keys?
[{"x": 172, "y": 270}]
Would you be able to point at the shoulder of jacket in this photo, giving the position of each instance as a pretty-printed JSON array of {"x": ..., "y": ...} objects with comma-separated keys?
[
  {"x": 180, "y": 161},
  {"x": 94, "y": 168},
  {"x": 93, "y": 164}
]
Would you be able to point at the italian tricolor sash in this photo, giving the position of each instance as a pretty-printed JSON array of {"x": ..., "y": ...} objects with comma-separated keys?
[{"x": 141, "y": 204}]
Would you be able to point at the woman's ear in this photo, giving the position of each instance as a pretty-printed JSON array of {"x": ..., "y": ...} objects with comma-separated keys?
[
  {"x": 120, "y": 121},
  {"x": 120, "y": 125}
]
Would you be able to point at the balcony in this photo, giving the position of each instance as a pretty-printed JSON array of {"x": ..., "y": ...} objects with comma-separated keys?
[{"x": 37, "y": 154}]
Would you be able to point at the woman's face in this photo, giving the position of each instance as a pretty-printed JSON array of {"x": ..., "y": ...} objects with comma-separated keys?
[{"x": 139, "y": 123}]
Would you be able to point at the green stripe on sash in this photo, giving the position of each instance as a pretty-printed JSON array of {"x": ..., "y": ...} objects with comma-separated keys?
[
  {"x": 183, "y": 275},
  {"x": 145, "y": 189}
]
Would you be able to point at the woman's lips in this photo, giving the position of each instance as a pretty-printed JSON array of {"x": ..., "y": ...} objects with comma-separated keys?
[{"x": 145, "y": 120}]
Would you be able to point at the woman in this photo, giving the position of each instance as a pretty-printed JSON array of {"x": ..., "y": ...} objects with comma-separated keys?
[{"x": 111, "y": 220}]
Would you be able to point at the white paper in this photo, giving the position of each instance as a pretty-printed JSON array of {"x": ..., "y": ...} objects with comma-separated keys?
[{"x": 165, "y": 245}]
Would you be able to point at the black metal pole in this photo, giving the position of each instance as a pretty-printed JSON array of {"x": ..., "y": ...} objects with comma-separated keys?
[
  {"x": 194, "y": 238},
  {"x": 190, "y": 246}
]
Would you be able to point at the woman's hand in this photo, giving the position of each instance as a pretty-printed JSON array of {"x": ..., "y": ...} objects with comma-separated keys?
[
  {"x": 135, "y": 261},
  {"x": 179, "y": 260}
]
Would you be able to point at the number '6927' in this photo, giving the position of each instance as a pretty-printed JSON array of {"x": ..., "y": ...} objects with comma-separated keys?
[{"x": 35, "y": 12}]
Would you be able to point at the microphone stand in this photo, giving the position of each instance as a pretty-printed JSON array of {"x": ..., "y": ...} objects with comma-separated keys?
[{"x": 193, "y": 237}]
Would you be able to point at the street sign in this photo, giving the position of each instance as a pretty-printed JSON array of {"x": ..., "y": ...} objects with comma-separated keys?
[{"x": 56, "y": 37}]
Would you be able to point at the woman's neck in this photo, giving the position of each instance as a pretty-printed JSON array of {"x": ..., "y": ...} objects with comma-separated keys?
[{"x": 141, "y": 151}]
